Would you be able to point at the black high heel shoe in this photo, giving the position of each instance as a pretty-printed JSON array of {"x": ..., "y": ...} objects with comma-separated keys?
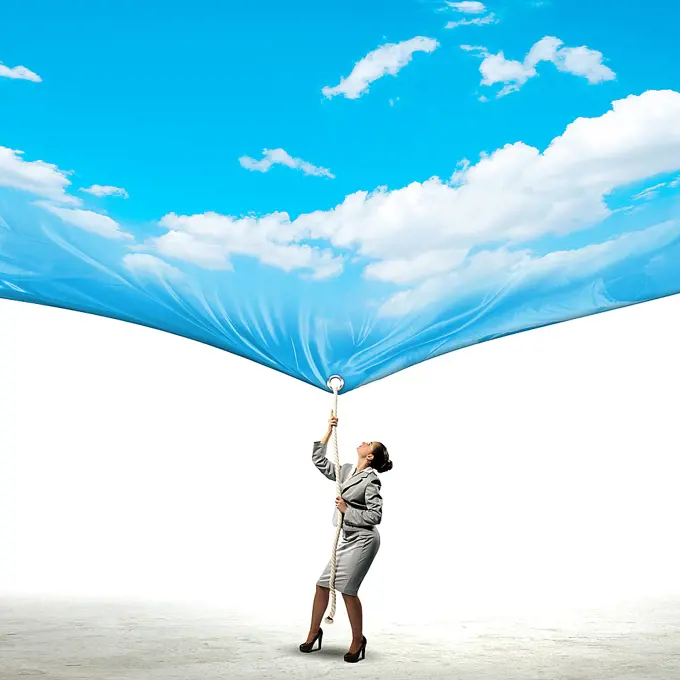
[
  {"x": 307, "y": 647},
  {"x": 353, "y": 658}
]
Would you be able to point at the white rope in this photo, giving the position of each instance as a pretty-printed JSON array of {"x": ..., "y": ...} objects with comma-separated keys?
[{"x": 338, "y": 486}]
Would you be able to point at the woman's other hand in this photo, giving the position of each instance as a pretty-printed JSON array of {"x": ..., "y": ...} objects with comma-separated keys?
[{"x": 341, "y": 505}]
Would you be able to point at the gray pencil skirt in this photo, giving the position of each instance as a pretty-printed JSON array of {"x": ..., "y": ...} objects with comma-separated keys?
[{"x": 356, "y": 551}]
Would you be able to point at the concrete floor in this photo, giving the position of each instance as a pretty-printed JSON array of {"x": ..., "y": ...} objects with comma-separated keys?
[{"x": 96, "y": 641}]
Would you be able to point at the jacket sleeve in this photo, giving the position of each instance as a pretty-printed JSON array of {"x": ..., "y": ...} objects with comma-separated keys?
[
  {"x": 373, "y": 513},
  {"x": 322, "y": 462}
]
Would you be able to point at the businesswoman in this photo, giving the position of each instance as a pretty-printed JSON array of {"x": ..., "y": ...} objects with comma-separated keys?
[{"x": 360, "y": 505}]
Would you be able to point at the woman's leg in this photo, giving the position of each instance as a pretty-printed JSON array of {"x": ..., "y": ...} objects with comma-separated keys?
[
  {"x": 318, "y": 610},
  {"x": 356, "y": 620}
]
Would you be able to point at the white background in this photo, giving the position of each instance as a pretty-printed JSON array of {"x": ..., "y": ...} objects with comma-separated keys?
[{"x": 529, "y": 472}]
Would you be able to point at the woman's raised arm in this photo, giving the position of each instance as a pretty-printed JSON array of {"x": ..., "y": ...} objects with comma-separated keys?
[{"x": 319, "y": 452}]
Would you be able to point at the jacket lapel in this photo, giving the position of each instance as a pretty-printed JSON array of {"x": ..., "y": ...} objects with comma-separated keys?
[{"x": 355, "y": 479}]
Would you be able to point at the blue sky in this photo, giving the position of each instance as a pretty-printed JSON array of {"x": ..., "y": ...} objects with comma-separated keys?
[{"x": 172, "y": 104}]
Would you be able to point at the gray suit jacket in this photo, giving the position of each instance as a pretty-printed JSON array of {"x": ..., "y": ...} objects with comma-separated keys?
[{"x": 361, "y": 492}]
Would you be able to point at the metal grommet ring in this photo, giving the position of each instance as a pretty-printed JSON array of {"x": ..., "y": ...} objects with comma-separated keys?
[{"x": 338, "y": 380}]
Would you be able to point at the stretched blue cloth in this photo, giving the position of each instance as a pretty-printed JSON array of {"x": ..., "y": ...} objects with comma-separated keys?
[
  {"x": 311, "y": 329},
  {"x": 371, "y": 242}
]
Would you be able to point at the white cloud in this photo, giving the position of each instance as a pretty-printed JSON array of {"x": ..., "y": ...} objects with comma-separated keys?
[
  {"x": 19, "y": 73},
  {"x": 386, "y": 60},
  {"x": 281, "y": 157},
  {"x": 478, "y": 21},
  {"x": 583, "y": 263},
  {"x": 88, "y": 221},
  {"x": 468, "y": 7},
  {"x": 36, "y": 177},
  {"x": 210, "y": 240},
  {"x": 495, "y": 273},
  {"x": 144, "y": 264},
  {"x": 675, "y": 183},
  {"x": 410, "y": 270},
  {"x": 650, "y": 192},
  {"x": 50, "y": 184},
  {"x": 99, "y": 190},
  {"x": 497, "y": 69},
  {"x": 579, "y": 61},
  {"x": 488, "y": 270},
  {"x": 204, "y": 252}
]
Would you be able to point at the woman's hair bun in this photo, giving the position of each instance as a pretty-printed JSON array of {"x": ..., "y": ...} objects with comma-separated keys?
[
  {"x": 381, "y": 459},
  {"x": 387, "y": 465}
]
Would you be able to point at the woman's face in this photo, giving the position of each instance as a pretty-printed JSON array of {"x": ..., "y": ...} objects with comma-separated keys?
[{"x": 365, "y": 450}]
